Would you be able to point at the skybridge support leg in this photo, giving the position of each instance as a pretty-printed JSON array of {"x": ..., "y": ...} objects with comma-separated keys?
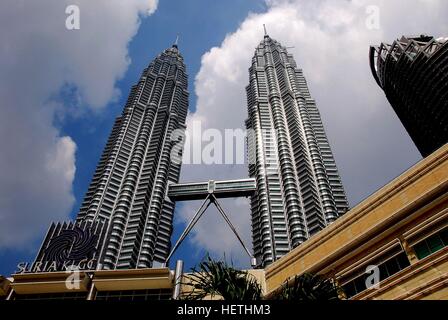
[
  {"x": 211, "y": 198},
  {"x": 226, "y": 218},
  {"x": 205, "y": 204}
]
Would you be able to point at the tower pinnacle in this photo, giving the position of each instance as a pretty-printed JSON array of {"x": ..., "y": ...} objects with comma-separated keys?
[{"x": 265, "y": 32}]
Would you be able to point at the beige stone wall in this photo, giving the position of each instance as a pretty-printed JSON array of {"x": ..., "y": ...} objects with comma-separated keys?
[{"x": 414, "y": 203}]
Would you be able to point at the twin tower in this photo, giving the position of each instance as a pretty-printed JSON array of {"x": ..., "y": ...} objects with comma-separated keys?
[{"x": 126, "y": 218}]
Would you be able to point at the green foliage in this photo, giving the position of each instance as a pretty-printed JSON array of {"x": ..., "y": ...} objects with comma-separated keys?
[
  {"x": 217, "y": 279},
  {"x": 309, "y": 287}
]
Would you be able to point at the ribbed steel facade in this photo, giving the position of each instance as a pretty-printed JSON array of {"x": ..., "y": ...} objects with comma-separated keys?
[
  {"x": 128, "y": 189},
  {"x": 299, "y": 190},
  {"x": 413, "y": 72}
]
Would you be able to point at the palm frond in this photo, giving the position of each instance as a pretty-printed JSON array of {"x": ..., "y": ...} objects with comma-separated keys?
[
  {"x": 309, "y": 287},
  {"x": 218, "y": 279}
]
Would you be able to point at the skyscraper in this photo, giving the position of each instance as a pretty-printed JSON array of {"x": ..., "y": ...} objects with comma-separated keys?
[
  {"x": 125, "y": 220},
  {"x": 298, "y": 188},
  {"x": 413, "y": 72}
]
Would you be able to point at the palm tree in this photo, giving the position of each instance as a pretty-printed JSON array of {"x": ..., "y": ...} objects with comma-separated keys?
[
  {"x": 218, "y": 279},
  {"x": 308, "y": 287}
]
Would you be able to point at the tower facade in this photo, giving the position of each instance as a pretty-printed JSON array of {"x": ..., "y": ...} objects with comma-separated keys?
[
  {"x": 125, "y": 220},
  {"x": 413, "y": 72},
  {"x": 298, "y": 188}
]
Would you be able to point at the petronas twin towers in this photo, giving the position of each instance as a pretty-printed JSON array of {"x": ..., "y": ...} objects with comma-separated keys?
[{"x": 126, "y": 218}]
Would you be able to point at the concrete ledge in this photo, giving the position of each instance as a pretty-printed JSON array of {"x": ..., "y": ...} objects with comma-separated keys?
[
  {"x": 133, "y": 279},
  {"x": 49, "y": 282}
]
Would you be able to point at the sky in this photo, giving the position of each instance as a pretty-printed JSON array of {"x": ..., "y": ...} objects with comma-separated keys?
[{"x": 60, "y": 91}]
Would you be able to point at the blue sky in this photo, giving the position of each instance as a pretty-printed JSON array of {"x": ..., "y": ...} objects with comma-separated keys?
[{"x": 58, "y": 97}]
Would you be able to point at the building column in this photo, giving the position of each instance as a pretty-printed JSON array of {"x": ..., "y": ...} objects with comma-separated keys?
[
  {"x": 178, "y": 279},
  {"x": 409, "y": 251},
  {"x": 92, "y": 291},
  {"x": 10, "y": 294}
]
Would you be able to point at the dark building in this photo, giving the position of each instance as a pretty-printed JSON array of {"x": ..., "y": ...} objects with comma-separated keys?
[{"x": 413, "y": 72}]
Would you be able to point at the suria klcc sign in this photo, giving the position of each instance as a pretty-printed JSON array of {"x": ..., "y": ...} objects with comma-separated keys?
[
  {"x": 67, "y": 247},
  {"x": 53, "y": 266}
]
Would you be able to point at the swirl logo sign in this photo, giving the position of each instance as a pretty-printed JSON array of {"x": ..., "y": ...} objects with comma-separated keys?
[
  {"x": 67, "y": 246},
  {"x": 71, "y": 245}
]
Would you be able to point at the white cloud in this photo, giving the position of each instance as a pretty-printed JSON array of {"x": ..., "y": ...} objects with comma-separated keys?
[
  {"x": 39, "y": 56},
  {"x": 330, "y": 43}
]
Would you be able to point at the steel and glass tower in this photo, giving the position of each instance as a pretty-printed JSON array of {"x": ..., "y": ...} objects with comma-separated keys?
[
  {"x": 298, "y": 188},
  {"x": 125, "y": 220},
  {"x": 413, "y": 72},
  {"x": 129, "y": 185}
]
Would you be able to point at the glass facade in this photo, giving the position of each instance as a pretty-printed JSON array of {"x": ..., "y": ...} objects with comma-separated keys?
[
  {"x": 298, "y": 188},
  {"x": 128, "y": 189},
  {"x": 412, "y": 73}
]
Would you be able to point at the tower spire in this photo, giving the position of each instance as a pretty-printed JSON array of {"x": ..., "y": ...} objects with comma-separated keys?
[
  {"x": 175, "y": 42},
  {"x": 265, "y": 32}
]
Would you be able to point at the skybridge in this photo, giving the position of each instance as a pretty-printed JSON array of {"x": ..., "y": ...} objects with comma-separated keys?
[
  {"x": 220, "y": 189},
  {"x": 210, "y": 191}
]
